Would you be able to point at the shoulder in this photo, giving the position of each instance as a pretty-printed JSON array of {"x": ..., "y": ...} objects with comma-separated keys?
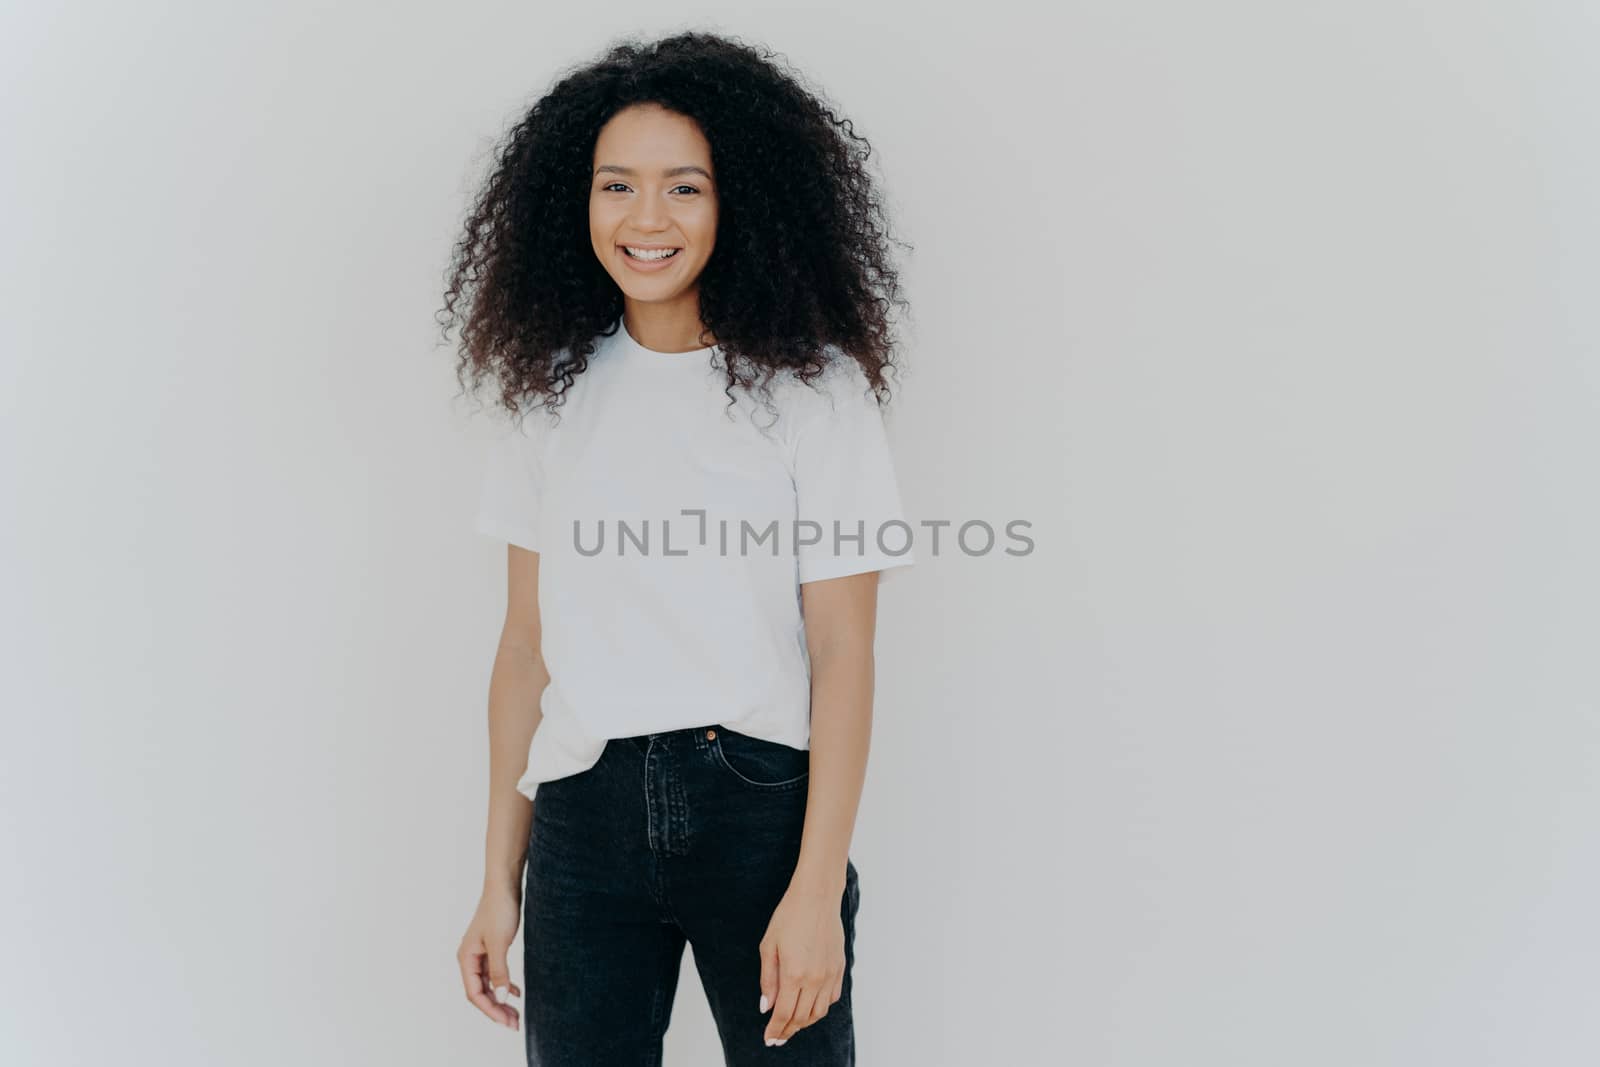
[
  {"x": 831, "y": 414},
  {"x": 842, "y": 382}
]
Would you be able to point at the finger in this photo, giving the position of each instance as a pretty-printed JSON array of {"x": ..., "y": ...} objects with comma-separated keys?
[
  {"x": 504, "y": 992},
  {"x": 769, "y": 976},
  {"x": 510, "y": 1014},
  {"x": 783, "y": 1008},
  {"x": 503, "y": 1012},
  {"x": 806, "y": 1010},
  {"x": 499, "y": 975},
  {"x": 472, "y": 980},
  {"x": 502, "y": 996},
  {"x": 819, "y": 1006}
]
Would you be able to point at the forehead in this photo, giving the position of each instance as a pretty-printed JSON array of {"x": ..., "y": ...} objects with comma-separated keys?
[{"x": 652, "y": 139}]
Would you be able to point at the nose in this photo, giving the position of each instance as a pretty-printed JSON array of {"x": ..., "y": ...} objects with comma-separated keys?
[{"x": 648, "y": 215}]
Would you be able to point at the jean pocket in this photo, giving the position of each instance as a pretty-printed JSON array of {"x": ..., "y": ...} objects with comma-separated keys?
[{"x": 759, "y": 764}]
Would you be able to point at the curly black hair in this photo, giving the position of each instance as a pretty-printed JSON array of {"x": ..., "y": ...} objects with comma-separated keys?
[{"x": 800, "y": 262}]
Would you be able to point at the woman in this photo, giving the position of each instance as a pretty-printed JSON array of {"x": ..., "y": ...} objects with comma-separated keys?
[{"x": 698, "y": 499}]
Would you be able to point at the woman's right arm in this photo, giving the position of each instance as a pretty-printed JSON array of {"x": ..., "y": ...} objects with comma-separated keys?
[{"x": 515, "y": 687}]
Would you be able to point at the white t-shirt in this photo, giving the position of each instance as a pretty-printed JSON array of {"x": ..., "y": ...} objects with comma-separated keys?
[{"x": 689, "y": 613}]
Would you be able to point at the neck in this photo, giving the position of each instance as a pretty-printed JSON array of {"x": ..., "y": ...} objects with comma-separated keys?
[{"x": 666, "y": 327}]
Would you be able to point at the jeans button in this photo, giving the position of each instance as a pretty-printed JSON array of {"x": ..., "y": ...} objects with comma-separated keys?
[{"x": 711, "y": 735}]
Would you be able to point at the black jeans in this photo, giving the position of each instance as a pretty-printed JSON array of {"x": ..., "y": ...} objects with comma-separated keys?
[{"x": 690, "y": 835}]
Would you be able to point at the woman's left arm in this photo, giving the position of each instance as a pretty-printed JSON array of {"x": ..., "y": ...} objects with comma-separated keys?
[{"x": 802, "y": 954}]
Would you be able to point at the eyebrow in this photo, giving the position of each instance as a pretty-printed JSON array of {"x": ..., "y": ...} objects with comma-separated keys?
[{"x": 670, "y": 172}]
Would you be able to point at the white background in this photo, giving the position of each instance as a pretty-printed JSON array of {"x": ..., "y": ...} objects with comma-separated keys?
[{"x": 1276, "y": 320}]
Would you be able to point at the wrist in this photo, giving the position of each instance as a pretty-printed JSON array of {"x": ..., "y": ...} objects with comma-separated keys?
[
  {"x": 822, "y": 879},
  {"x": 501, "y": 882}
]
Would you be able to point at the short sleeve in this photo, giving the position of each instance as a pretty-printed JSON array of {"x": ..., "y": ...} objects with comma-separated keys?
[
  {"x": 512, "y": 486},
  {"x": 845, "y": 482}
]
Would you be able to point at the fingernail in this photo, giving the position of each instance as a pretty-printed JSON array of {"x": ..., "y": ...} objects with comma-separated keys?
[
  {"x": 500, "y": 993},
  {"x": 763, "y": 1003}
]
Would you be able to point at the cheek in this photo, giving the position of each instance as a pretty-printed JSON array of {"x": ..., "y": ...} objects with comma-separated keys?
[
  {"x": 602, "y": 220},
  {"x": 705, "y": 229},
  {"x": 602, "y": 232}
]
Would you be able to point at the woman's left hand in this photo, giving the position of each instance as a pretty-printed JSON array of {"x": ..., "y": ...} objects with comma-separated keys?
[{"x": 802, "y": 961}]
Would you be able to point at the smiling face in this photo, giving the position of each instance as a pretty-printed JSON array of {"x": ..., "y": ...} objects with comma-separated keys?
[{"x": 651, "y": 190}]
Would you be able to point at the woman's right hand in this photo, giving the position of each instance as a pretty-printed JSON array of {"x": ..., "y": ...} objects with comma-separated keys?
[{"x": 483, "y": 953}]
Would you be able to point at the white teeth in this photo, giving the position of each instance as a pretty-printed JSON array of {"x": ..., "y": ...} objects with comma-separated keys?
[{"x": 658, "y": 253}]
